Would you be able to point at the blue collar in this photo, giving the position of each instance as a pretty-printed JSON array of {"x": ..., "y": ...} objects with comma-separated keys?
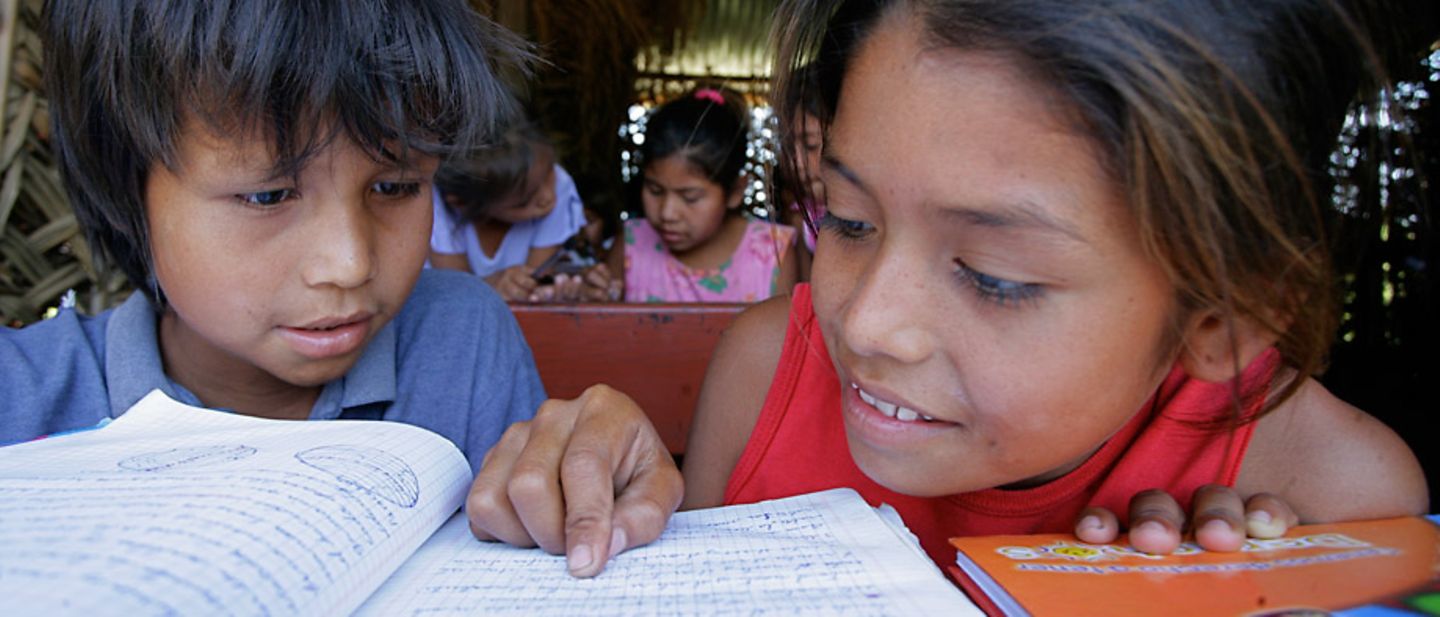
[{"x": 133, "y": 367}]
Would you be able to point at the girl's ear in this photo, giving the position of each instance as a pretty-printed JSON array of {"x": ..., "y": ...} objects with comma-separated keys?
[
  {"x": 1215, "y": 351},
  {"x": 736, "y": 195}
]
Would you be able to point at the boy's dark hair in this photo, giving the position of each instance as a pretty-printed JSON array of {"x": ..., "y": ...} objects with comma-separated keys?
[
  {"x": 708, "y": 126},
  {"x": 489, "y": 174},
  {"x": 125, "y": 76},
  {"x": 1218, "y": 119}
]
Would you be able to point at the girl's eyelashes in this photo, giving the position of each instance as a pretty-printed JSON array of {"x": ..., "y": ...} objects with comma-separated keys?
[
  {"x": 994, "y": 289},
  {"x": 989, "y": 288},
  {"x": 844, "y": 228}
]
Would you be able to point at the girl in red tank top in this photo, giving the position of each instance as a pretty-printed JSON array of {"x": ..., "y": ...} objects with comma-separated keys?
[{"x": 1072, "y": 253}]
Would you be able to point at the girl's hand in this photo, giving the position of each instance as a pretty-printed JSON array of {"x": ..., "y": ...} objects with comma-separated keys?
[
  {"x": 1220, "y": 520},
  {"x": 592, "y": 285},
  {"x": 587, "y": 477},
  {"x": 600, "y": 285},
  {"x": 514, "y": 284},
  {"x": 564, "y": 288}
]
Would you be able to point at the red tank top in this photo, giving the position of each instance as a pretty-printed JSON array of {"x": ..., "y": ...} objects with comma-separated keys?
[{"x": 798, "y": 446}]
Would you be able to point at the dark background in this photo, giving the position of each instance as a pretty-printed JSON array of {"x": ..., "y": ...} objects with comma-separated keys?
[{"x": 1386, "y": 358}]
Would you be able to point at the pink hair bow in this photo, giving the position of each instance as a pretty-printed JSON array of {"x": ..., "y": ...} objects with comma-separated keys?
[{"x": 710, "y": 94}]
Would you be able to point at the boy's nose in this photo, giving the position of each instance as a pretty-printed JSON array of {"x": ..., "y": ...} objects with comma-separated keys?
[
  {"x": 342, "y": 240},
  {"x": 883, "y": 315}
]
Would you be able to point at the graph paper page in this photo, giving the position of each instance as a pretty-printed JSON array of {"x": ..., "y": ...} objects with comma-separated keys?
[
  {"x": 821, "y": 554},
  {"x": 176, "y": 510}
]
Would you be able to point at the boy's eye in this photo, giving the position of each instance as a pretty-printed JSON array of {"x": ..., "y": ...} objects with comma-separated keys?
[
  {"x": 397, "y": 189},
  {"x": 653, "y": 190},
  {"x": 994, "y": 289},
  {"x": 845, "y": 228},
  {"x": 265, "y": 199}
]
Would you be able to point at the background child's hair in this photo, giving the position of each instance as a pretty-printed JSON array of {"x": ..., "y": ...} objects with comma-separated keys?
[
  {"x": 1218, "y": 118},
  {"x": 488, "y": 174},
  {"x": 125, "y": 76},
  {"x": 708, "y": 126},
  {"x": 810, "y": 101}
]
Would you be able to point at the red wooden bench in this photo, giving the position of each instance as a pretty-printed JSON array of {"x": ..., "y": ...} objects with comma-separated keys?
[{"x": 656, "y": 353}]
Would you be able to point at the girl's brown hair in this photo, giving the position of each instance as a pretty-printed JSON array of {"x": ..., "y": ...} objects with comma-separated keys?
[{"x": 1217, "y": 117}]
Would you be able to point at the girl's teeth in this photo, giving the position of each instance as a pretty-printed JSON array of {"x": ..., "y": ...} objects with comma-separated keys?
[
  {"x": 886, "y": 408},
  {"x": 891, "y": 410}
]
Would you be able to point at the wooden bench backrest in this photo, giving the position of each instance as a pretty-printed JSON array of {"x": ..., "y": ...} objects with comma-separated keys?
[{"x": 656, "y": 353}]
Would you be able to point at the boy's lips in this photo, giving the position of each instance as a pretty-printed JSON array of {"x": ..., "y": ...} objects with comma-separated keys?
[{"x": 328, "y": 337}]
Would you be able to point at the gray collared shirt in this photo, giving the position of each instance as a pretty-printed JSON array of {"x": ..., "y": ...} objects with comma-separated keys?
[{"x": 452, "y": 361}]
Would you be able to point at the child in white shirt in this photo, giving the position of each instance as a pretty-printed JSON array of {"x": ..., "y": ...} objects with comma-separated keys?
[{"x": 503, "y": 211}]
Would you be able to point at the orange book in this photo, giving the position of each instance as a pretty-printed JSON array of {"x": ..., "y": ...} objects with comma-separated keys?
[{"x": 1324, "y": 567}]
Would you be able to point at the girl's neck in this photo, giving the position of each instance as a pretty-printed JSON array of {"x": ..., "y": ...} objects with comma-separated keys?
[
  {"x": 491, "y": 234},
  {"x": 719, "y": 248}
]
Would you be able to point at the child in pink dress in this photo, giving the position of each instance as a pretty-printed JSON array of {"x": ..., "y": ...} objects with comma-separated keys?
[
  {"x": 753, "y": 272},
  {"x": 695, "y": 244}
]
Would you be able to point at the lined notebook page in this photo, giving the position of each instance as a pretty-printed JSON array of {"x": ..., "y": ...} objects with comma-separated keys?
[
  {"x": 822, "y": 554},
  {"x": 176, "y": 510}
]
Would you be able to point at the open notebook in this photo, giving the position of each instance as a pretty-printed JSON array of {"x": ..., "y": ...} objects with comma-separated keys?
[{"x": 178, "y": 510}]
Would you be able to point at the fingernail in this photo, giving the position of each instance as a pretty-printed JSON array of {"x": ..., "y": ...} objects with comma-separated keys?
[
  {"x": 580, "y": 558},
  {"x": 1259, "y": 524},
  {"x": 1150, "y": 527},
  {"x": 1091, "y": 522},
  {"x": 617, "y": 542},
  {"x": 1215, "y": 526}
]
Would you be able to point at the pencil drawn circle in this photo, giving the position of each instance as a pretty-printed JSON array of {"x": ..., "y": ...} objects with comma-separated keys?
[
  {"x": 177, "y": 458},
  {"x": 369, "y": 469}
]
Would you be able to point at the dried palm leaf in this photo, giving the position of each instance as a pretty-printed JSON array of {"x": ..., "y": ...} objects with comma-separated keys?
[{"x": 43, "y": 254}]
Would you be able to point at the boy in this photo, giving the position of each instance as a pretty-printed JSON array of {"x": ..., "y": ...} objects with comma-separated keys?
[{"x": 260, "y": 170}]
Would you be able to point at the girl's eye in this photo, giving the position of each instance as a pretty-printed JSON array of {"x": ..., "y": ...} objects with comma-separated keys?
[
  {"x": 1000, "y": 291},
  {"x": 396, "y": 189},
  {"x": 845, "y": 228},
  {"x": 265, "y": 199},
  {"x": 654, "y": 190}
]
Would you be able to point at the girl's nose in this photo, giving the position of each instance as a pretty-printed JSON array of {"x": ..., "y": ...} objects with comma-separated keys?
[
  {"x": 670, "y": 208},
  {"x": 885, "y": 312}
]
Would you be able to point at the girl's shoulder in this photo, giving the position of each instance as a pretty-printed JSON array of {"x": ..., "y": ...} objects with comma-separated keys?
[
  {"x": 768, "y": 230},
  {"x": 1331, "y": 461},
  {"x": 731, "y": 398},
  {"x": 641, "y": 241},
  {"x": 766, "y": 242},
  {"x": 638, "y": 228}
]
